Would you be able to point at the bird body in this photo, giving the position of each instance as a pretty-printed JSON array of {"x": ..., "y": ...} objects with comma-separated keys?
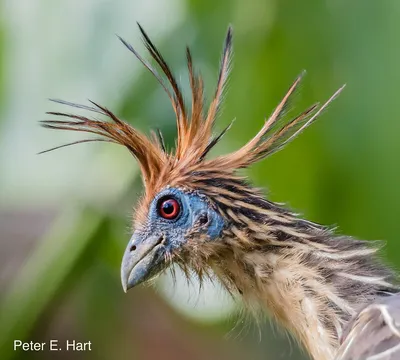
[{"x": 200, "y": 214}]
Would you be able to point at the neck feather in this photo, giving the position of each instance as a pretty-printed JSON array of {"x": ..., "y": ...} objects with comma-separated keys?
[{"x": 309, "y": 279}]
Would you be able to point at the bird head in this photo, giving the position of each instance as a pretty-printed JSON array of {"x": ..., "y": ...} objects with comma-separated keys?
[
  {"x": 192, "y": 206},
  {"x": 175, "y": 216}
]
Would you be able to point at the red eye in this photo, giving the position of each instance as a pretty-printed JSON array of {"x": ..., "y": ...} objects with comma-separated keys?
[{"x": 169, "y": 208}]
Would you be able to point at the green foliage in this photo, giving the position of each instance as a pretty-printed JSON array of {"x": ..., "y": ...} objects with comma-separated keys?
[
  {"x": 342, "y": 171},
  {"x": 48, "y": 272}
]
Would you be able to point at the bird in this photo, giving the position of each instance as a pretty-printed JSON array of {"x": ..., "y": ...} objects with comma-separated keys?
[{"x": 332, "y": 292}]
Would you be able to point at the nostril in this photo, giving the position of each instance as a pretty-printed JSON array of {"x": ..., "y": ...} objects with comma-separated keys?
[
  {"x": 161, "y": 240},
  {"x": 133, "y": 248}
]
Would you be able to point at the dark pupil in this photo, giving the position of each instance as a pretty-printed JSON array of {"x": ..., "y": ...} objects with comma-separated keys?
[{"x": 168, "y": 207}]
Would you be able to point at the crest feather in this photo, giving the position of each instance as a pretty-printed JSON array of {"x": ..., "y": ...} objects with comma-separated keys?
[
  {"x": 273, "y": 136},
  {"x": 149, "y": 153},
  {"x": 194, "y": 139}
]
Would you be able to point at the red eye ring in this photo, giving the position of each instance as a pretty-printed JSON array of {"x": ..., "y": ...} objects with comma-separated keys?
[{"x": 169, "y": 208}]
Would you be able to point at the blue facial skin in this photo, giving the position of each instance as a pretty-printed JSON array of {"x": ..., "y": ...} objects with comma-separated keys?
[{"x": 144, "y": 255}]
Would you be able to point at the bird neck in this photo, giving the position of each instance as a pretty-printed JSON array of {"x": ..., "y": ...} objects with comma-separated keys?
[
  {"x": 296, "y": 296},
  {"x": 300, "y": 299},
  {"x": 311, "y": 281}
]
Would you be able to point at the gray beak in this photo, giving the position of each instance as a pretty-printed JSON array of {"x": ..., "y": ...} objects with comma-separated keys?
[{"x": 142, "y": 260}]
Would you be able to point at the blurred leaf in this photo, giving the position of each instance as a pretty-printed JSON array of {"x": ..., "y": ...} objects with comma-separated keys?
[
  {"x": 44, "y": 274},
  {"x": 2, "y": 68}
]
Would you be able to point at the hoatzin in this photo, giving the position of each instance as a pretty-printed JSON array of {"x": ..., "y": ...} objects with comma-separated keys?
[{"x": 330, "y": 291}]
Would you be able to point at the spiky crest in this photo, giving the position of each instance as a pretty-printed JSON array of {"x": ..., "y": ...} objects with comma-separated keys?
[
  {"x": 312, "y": 280},
  {"x": 194, "y": 139}
]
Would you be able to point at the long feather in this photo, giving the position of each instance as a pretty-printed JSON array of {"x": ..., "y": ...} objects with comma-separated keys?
[
  {"x": 222, "y": 80},
  {"x": 269, "y": 139},
  {"x": 148, "y": 153},
  {"x": 195, "y": 136}
]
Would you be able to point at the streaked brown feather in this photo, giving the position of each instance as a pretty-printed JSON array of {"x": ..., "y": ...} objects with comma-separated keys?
[
  {"x": 221, "y": 85},
  {"x": 194, "y": 138},
  {"x": 148, "y": 152}
]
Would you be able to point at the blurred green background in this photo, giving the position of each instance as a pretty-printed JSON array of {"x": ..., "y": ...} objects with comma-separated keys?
[{"x": 64, "y": 216}]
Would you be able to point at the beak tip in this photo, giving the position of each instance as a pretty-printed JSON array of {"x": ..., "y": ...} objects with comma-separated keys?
[
  {"x": 124, "y": 279},
  {"x": 125, "y": 288}
]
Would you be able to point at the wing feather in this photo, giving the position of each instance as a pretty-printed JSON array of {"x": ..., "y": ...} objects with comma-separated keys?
[{"x": 374, "y": 333}]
